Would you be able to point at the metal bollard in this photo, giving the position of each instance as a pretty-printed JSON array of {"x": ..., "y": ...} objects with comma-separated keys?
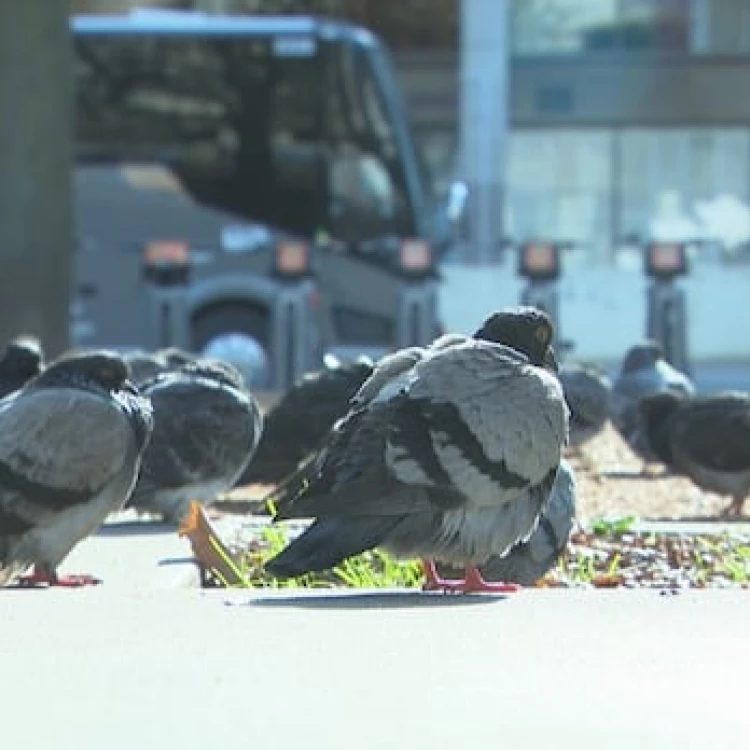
[
  {"x": 292, "y": 333},
  {"x": 539, "y": 263},
  {"x": 416, "y": 320},
  {"x": 293, "y": 330},
  {"x": 666, "y": 306},
  {"x": 416, "y": 324},
  {"x": 167, "y": 269}
]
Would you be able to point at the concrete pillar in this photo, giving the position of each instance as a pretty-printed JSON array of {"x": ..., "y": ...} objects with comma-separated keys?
[
  {"x": 700, "y": 27},
  {"x": 483, "y": 121}
]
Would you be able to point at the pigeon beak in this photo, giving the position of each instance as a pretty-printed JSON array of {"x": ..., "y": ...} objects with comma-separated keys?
[{"x": 550, "y": 360}]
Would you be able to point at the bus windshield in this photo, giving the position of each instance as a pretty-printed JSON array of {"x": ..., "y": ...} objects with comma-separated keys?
[{"x": 294, "y": 131}]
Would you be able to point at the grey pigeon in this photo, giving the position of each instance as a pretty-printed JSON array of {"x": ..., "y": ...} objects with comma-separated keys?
[
  {"x": 531, "y": 560},
  {"x": 296, "y": 426},
  {"x": 147, "y": 365},
  {"x": 206, "y": 428},
  {"x": 587, "y": 390},
  {"x": 450, "y": 457},
  {"x": 70, "y": 447},
  {"x": 644, "y": 372},
  {"x": 706, "y": 438},
  {"x": 21, "y": 361}
]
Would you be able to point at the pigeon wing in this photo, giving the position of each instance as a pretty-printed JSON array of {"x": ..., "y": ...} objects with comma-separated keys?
[
  {"x": 460, "y": 429},
  {"x": 496, "y": 423},
  {"x": 58, "y": 447},
  {"x": 387, "y": 371}
]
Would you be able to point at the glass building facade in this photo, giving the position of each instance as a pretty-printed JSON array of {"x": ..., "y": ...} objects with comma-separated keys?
[{"x": 607, "y": 181}]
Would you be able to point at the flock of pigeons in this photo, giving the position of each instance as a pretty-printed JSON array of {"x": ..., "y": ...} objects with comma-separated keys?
[
  {"x": 90, "y": 432},
  {"x": 657, "y": 410},
  {"x": 451, "y": 453}
]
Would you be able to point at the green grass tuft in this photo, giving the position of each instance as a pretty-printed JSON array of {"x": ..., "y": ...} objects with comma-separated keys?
[
  {"x": 610, "y": 553},
  {"x": 372, "y": 569}
]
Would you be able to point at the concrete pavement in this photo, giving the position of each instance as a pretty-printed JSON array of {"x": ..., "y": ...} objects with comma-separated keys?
[
  {"x": 146, "y": 662},
  {"x": 128, "y": 554}
]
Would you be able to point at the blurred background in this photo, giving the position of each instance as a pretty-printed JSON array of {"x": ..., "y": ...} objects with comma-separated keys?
[
  {"x": 626, "y": 117},
  {"x": 600, "y": 126}
]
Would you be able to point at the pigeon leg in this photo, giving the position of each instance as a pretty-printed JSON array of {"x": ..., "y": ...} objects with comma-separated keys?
[
  {"x": 735, "y": 507},
  {"x": 42, "y": 576},
  {"x": 75, "y": 580},
  {"x": 473, "y": 582},
  {"x": 434, "y": 581},
  {"x": 651, "y": 470},
  {"x": 38, "y": 578}
]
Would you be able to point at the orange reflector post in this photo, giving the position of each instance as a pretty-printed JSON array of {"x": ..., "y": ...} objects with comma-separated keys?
[
  {"x": 666, "y": 260},
  {"x": 415, "y": 255},
  {"x": 166, "y": 253},
  {"x": 666, "y": 257},
  {"x": 292, "y": 257},
  {"x": 539, "y": 257}
]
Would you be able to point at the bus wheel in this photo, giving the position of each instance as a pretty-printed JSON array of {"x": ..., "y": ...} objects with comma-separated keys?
[{"x": 238, "y": 334}]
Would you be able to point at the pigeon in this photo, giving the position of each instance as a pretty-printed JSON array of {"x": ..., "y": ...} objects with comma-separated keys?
[
  {"x": 22, "y": 360},
  {"x": 644, "y": 372},
  {"x": 297, "y": 425},
  {"x": 448, "y": 454},
  {"x": 206, "y": 428},
  {"x": 587, "y": 391},
  {"x": 147, "y": 365},
  {"x": 71, "y": 442},
  {"x": 531, "y": 560},
  {"x": 706, "y": 438}
]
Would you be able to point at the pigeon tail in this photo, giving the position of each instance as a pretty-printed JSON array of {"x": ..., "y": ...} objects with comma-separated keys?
[{"x": 327, "y": 542}]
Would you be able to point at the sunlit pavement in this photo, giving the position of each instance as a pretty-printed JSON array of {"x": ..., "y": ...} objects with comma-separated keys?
[{"x": 144, "y": 661}]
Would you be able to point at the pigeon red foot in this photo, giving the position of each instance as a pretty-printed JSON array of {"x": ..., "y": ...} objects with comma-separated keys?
[
  {"x": 40, "y": 577},
  {"x": 471, "y": 583}
]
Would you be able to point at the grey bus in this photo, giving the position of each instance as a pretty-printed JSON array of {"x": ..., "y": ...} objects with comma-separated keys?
[{"x": 248, "y": 187}]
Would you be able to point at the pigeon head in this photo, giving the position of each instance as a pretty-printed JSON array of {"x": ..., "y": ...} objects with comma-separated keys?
[
  {"x": 143, "y": 366},
  {"x": 173, "y": 356},
  {"x": 96, "y": 370},
  {"x": 526, "y": 329},
  {"x": 642, "y": 356},
  {"x": 215, "y": 369},
  {"x": 655, "y": 411},
  {"x": 21, "y": 361},
  {"x": 362, "y": 367}
]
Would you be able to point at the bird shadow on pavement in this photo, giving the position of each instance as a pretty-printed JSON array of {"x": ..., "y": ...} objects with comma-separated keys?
[
  {"x": 368, "y": 600},
  {"x": 634, "y": 474},
  {"x": 717, "y": 519},
  {"x": 136, "y": 527},
  {"x": 177, "y": 561}
]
